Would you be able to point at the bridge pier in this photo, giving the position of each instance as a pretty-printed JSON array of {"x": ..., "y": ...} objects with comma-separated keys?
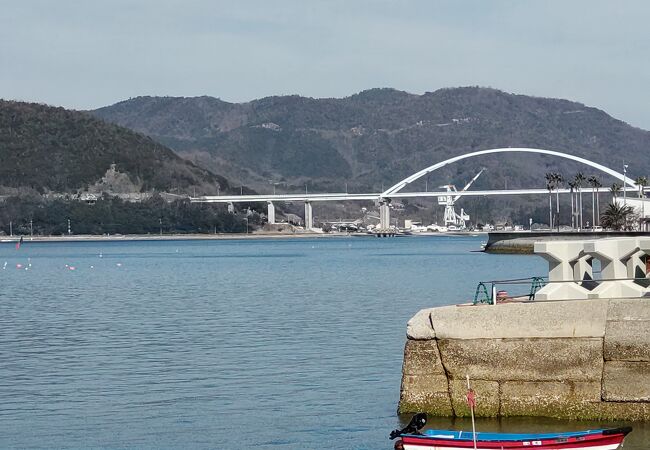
[
  {"x": 309, "y": 216},
  {"x": 384, "y": 214},
  {"x": 270, "y": 213}
]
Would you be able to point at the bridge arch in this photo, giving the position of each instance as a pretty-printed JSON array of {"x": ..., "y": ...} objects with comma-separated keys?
[{"x": 399, "y": 186}]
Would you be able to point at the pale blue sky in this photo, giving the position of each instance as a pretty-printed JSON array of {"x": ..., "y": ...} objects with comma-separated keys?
[{"x": 85, "y": 54}]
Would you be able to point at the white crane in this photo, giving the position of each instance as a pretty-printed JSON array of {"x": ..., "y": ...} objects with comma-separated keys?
[{"x": 451, "y": 217}]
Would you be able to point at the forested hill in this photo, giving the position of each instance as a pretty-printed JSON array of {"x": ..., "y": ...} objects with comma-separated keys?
[
  {"x": 380, "y": 136},
  {"x": 58, "y": 150}
]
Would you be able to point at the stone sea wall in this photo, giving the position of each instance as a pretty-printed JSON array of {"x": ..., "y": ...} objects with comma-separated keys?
[{"x": 586, "y": 359}]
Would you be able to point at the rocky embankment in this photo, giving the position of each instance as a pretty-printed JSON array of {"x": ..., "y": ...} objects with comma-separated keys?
[{"x": 587, "y": 359}]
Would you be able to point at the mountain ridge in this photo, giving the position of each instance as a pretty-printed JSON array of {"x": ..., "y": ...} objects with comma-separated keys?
[{"x": 379, "y": 136}]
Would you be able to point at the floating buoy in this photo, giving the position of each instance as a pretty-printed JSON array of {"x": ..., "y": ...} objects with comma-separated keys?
[
  {"x": 118, "y": 264},
  {"x": 72, "y": 267},
  {"x": 19, "y": 266}
]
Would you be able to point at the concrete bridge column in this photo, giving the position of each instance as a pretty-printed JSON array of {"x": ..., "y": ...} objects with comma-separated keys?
[
  {"x": 309, "y": 217},
  {"x": 384, "y": 215},
  {"x": 271, "y": 212}
]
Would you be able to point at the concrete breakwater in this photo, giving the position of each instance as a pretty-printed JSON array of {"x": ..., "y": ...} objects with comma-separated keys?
[{"x": 585, "y": 359}]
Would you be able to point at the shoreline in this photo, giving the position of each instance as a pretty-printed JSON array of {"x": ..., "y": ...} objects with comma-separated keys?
[{"x": 199, "y": 237}]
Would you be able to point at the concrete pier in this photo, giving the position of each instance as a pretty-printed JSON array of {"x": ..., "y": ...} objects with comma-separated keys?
[
  {"x": 384, "y": 215},
  {"x": 271, "y": 213},
  {"x": 309, "y": 216},
  {"x": 524, "y": 241},
  {"x": 583, "y": 359}
]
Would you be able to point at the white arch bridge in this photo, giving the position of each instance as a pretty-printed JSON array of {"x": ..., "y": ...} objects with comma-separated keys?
[{"x": 395, "y": 191}]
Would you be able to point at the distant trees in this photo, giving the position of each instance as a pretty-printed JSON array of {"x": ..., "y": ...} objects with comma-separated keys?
[{"x": 111, "y": 215}]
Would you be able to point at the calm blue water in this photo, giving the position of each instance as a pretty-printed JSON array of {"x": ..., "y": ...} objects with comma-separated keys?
[{"x": 223, "y": 344}]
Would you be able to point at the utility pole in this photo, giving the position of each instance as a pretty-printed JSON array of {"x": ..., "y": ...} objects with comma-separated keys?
[
  {"x": 31, "y": 227},
  {"x": 11, "y": 228}
]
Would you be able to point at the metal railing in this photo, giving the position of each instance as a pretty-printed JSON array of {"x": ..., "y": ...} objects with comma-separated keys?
[
  {"x": 493, "y": 294},
  {"x": 483, "y": 295}
]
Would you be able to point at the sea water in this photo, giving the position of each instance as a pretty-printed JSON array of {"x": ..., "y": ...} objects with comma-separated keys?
[{"x": 227, "y": 344}]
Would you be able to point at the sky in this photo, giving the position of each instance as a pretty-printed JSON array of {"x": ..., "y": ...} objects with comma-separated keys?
[{"x": 86, "y": 54}]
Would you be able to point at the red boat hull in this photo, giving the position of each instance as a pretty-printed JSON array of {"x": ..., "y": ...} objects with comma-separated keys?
[{"x": 595, "y": 442}]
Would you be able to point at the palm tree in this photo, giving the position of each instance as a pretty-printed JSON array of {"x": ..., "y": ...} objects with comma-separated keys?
[
  {"x": 642, "y": 182},
  {"x": 615, "y": 190},
  {"x": 558, "y": 179},
  {"x": 595, "y": 182},
  {"x": 579, "y": 179},
  {"x": 549, "y": 185},
  {"x": 572, "y": 187},
  {"x": 618, "y": 217}
]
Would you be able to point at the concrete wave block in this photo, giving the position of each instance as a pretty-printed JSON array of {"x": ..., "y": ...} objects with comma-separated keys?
[
  {"x": 560, "y": 255},
  {"x": 626, "y": 381},
  {"x": 487, "y": 397},
  {"x": 580, "y": 318},
  {"x": 421, "y": 358},
  {"x": 575, "y": 359},
  {"x": 562, "y": 292},
  {"x": 568, "y": 399},
  {"x": 419, "y": 326}
]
